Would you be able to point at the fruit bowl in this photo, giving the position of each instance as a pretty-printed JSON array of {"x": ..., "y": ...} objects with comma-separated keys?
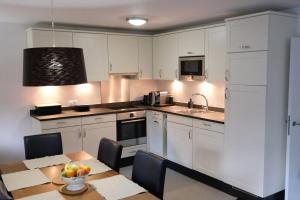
[
  {"x": 75, "y": 183},
  {"x": 74, "y": 175}
]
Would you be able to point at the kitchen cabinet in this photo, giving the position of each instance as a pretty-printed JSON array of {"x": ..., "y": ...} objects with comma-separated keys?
[
  {"x": 166, "y": 60},
  {"x": 248, "y": 34},
  {"x": 145, "y": 57},
  {"x": 71, "y": 138},
  {"x": 80, "y": 133},
  {"x": 95, "y": 54},
  {"x": 208, "y": 148},
  {"x": 215, "y": 53},
  {"x": 123, "y": 54},
  {"x": 156, "y": 133},
  {"x": 247, "y": 68},
  {"x": 245, "y": 137},
  {"x": 179, "y": 140},
  {"x": 93, "y": 133},
  {"x": 256, "y": 101},
  {"x": 191, "y": 43},
  {"x": 44, "y": 38}
]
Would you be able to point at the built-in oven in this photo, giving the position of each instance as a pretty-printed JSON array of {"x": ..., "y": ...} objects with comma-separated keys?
[
  {"x": 192, "y": 68},
  {"x": 131, "y": 128}
]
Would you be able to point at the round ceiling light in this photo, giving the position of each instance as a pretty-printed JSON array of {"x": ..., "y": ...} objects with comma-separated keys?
[{"x": 137, "y": 21}]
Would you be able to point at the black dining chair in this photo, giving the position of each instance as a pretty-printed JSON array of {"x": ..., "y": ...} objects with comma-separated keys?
[
  {"x": 4, "y": 194},
  {"x": 110, "y": 153},
  {"x": 37, "y": 146},
  {"x": 149, "y": 171}
]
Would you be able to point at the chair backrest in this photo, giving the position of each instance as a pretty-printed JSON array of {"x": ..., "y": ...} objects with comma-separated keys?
[
  {"x": 37, "y": 146},
  {"x": 149, "y": 171},
  {"x": 3, "y": 192},
  {"x": 110, "y": 153}
]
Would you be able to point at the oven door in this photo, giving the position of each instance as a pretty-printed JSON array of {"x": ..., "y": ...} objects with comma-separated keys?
[
  {"x": 192, "y": 66},
  {"x": 131, "y": 132}
]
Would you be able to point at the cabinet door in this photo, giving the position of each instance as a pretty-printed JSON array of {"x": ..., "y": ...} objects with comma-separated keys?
[
  {"x": 92, "y": 134},
  {"x": 123, "y": 53},
  {"x": 191, "y": 43},
  {"x": 168, "y": 56},
  {"x": 44, "y": 38},
  {"x": 179, "y": 144},
  {"x": 156, "y": 66},
  {"x": 245, "y": 138},
  {"x": 95, "y": 54},
  {"x": 71, "y": 138},
  {"x": 155, "y": 133},
  {"x": 145, "y": 57},
  {"x": 208, "y": 152},
  {"x": 247, "y": 68},
  {"x": 248, "y": 34},
  {"x": 215, "y": 53}
]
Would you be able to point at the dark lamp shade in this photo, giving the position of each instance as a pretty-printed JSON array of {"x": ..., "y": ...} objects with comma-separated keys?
[{"x": 53, "y": 66}]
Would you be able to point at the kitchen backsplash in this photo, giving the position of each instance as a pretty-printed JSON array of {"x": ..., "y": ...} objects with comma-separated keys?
[
  {"x": 120, "y": 89},
  {"x": 182, "y": 91}
]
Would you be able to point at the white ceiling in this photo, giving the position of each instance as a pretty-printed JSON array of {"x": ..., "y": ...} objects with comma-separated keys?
[{"x": 162, "y": 14}]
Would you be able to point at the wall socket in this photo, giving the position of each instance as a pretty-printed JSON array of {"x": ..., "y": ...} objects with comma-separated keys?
[{"x": 73, "y": 102}]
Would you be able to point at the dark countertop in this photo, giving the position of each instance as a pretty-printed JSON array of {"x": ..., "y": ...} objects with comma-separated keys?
[{"x": 213, "y": 116}]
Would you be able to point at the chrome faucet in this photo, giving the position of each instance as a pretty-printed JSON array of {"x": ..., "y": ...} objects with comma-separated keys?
[{"x": 191, "y": 103}]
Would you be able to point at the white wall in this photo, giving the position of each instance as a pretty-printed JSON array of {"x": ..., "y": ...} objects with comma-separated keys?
[{"x": 297, "y": 12}]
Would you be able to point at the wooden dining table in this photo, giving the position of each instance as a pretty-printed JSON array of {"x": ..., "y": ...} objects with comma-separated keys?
[{"x": 54, "y": 171}]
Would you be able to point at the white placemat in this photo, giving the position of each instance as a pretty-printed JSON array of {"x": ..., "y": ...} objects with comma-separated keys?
[
  {"x": 43, "y": 196},
  {"x": 46, "y": 161},
  {"x": 96, "y": 166},
  {"x": 24, "y": 179},
  {"x": 116, "y": 187}
]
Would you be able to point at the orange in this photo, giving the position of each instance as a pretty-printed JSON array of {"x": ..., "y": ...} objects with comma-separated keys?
[{"x": 70, "y": 173}]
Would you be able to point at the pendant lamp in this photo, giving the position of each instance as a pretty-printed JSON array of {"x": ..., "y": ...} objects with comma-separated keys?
[{"x": 53, "y": 66}]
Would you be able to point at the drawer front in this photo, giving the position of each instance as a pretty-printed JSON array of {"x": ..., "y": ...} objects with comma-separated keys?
[
  {"x": 249, "y": 34},
  {"x": 131, "y": 151},
  {"x": 60, "y": 123},
  {"x": 248, "y": 68},
  {"x": 180, "y": 120},
  {"x": 99, "y": 119},
  {"x": 209, "y": 125},
  {"x": 157, "y": 115}
]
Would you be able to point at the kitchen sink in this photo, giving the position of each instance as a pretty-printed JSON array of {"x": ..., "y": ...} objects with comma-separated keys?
[{"x": 191, "y": 111}]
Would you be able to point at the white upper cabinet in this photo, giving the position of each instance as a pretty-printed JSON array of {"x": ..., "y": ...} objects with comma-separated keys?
[
  {"x": 215, "y": 53},
  {"x": 145, "y": 57},
  {"x": 247, "y": 68},
  {"x": 248, "y": 34},
  {"x": 95, "y": 54},
  {"x": 191, "y": 43},
  {"x": 156, "y": 67},
  {"x": 44, "y": 38},
  {"x": 123, "y": 54},
  {"x": 168, "y": 57}
]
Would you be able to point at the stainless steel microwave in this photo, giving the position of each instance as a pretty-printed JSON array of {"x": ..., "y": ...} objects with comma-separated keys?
[{"x": 192, "y": 68}]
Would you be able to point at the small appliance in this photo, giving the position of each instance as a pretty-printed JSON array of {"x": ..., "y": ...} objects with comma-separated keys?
[
  {"x": 158, "y": 98},
  {"x": 192, "y": 68},
  {"x": 48, "y": 109}
]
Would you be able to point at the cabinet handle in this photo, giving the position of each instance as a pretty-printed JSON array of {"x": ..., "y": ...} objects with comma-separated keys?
[
  {"x": 227, "y": 75},
  {"x": 98, "y": 118},
  {"x": 84, "y": 133},
  {"x": 160, "y": 73},
  {"x": 141, "y": 73},
  {"x": 61, "y": 122},
  {"x": 176, "y": 73},
  {"x": 206, "y": 125},
  {"x": 245, "y": 46},
  {"x": 110, "y": 67},
  {"x": 80, "y": 134},
  {"x": 156, "y": 121},
  {"x": 189, "y": 52},
  {"x": 206, "y": 74},
  {"x": 226, "y": 93},
  {"x": 190, "y": 135},
  {"x": 295, "y": 124}
]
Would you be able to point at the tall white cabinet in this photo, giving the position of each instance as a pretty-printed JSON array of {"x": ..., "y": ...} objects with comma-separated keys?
[{"x": 256, "y": 101}]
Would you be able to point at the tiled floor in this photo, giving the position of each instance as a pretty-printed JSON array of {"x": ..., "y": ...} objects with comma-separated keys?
[{"x": 179, "y": 187}]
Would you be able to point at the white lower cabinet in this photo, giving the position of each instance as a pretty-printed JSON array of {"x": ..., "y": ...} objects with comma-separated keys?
[
  {"x": 71, "y": 138},
  {"x": 179, "y": 141},
  {"x": 93, "y": 133},
  {"x": 208, "y": 151},
  {"x": 79, "y": 133},
  {"x": 156, "y": 134}
]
